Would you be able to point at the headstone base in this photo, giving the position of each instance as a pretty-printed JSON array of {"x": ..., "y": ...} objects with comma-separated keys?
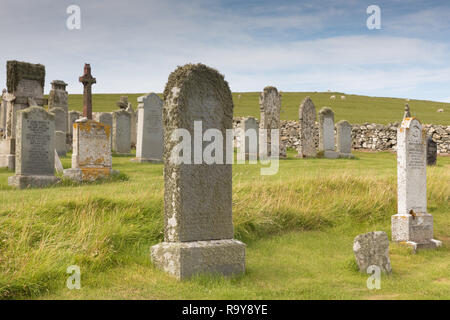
[
  {"x": 416, "y": 230},
  {"x": 431, "y": 244},
  {"x": 28, "y": 181},
  {"x": 87, "y": 174},
  {"x": 346, "y": 156},
  {"x": 329, "y": 154},
  {"x": 303, "y": 156},
  {"x": 142, "y": 160},
  {"x": 186, "y": 259}
]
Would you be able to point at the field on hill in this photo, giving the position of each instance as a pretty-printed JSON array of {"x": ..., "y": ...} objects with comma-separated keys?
[
  {"x": 298, "y": 225},
  {"x": 355, "y": 108}
]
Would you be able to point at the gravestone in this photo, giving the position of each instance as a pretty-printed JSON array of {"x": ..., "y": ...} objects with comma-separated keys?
[
  {"x": 412, "y": 225},
  {"x": 123, "y": 103},
  {"x": 198, "y": 235},
  {"x": 344, "y": 139},
  {"x": 3, "y": 105},
  {"x": 35, "y": 148},
  {"x": 121, "y": 142},
  {"x": 91, "y": 157},
  {"x": 270, "y": 107},
  {"x": 106, "y": 118},
  {"x": 249, "y": 138},
  {"x": 431, "y": 152},
  {"x": 326, "y": 133},
  {"x": 133, "y": 129},
  {"x": 73, "y": 116},
  {"x": 307, "y": 123},
  {"x": 60, "y": 119},
  {"x": 149, "y": 146},
  {"x": 24, "y": 81},
  {"x": 60, "y": 143},
  {"x": 58, "y": 165},
  {"x": 372, "y": 249}
]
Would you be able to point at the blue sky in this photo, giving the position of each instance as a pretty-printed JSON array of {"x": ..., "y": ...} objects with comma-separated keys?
[{"x": 133, "y": 45}]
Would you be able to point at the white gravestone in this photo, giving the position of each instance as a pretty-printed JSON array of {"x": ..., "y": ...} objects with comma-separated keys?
[
  {"x": 326, "y": 133},
  {"x": 412, "y": 224}
]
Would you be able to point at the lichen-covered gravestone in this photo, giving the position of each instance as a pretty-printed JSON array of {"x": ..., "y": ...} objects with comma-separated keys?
[
  {"x": 326, "y": 133},
  {"x": 270, "y": 107},
  {"x": 372, "y": 249},
  {"x": 73, "y": 116},
  {"x": 35, "y": 149},
  {"x": 344, "y": 139},
  {"x": 307, "y": 123},
  {"x": 197, "y": 197},
  {"x": 431, "y": 152},
  {"x": 121, "y": 139},
  {"x": 60, "y": 143},
  {"x": 149, "y": 147},
  {"x": 91, "y": 157},
  {"x": 412, "y": 225}
]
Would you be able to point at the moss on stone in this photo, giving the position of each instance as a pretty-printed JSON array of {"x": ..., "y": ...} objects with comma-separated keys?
[{"x": 17, "y": 71}]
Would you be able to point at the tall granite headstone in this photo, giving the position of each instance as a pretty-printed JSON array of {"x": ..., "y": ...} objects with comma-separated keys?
[
  {"x": 35, "y": 148},
  {"x": 149, "y": 146},
  {"x": 249, "y": 138},
  {"x": 344, "y": 139},
  {"x": 307, "y": 122},
  {"x": 412, "y": 224},
  {"x": 326, "y": 133},
  {"x": 198, "y": 235},
  {"x": 121, "y": 142}
]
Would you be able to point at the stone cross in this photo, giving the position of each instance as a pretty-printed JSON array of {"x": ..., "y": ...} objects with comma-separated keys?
[
  {"x": 407, "y": 113},
  {"x": 87, "y": 80}
]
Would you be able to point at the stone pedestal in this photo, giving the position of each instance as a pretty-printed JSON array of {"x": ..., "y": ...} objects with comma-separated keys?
[
  {"x": 329, "y": 154},
  {"x": 27, "y": 181},
  {"x": 415, "y": 231},
  {"x": 186, "y": 259},
  {"x": 7, "y": 154}
]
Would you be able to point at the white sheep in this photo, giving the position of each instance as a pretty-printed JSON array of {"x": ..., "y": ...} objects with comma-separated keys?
[
  {"x": 342, "y": 97},
  {"x": 333, "y": 97}
]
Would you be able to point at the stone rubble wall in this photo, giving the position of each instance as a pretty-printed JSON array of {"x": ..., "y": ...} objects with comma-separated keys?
[{"x": 368, "y": 136}]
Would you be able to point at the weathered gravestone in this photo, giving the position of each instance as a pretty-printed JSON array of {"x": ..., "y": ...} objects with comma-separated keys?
[
  {"x": 372, "y": 249},
  {"x": 35, "y": 149},
  {"x": 270, "y": 107},
  {"x": 307, "y": 122},
  {"x": 3, "y": 105},
  {"x": 412, "y": 225},
  {"x": 249, "y": 138},
  {"x": 133, "y": 129},
  {"x": 149, "y": 146},
  {"x": 24, "y": 81},
  {"x": 431, "y": 152},
  {"x": 123, "y": 103},
  {"x": 197, "y": 197},
  {"x": 91, "y": 157},
  {"x": 121, "y": 142},
  {"x": 344, "y": 139},
  {"x": 73, "y": 116},
  {"x": 60, "y": 119},
  {"x": 60, "y": 143},
  {"x": 326, "y": 133},
  {"x": 106, "y": 118},
  {"x": 58, "y": 100}
]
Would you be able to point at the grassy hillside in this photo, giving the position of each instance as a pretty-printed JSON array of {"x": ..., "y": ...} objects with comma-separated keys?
[
  {"x": 355, "y": 108},
  {"x": 299, "y": 226}
]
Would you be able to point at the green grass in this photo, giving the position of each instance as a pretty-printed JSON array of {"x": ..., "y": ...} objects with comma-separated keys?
[
  {"x": 299, "y": 226},
  {"x": 355, "y": 108}
]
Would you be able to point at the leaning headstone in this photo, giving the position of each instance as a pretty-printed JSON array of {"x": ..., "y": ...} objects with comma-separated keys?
[
  {"x": 133, "y": 130},
  {"x": 58, "y": 165},
  {"x": 121, "y": 142},
  {"x": 91, "y": 157},
  {"x": 270, "y": 107},
  {"x": 24, "y": 81},
  {"x": 307, "y": 117},
  {"x": 60, "y": 143},
  {"x": 431, "y": 152},
  {"x": 412, "y": 225},
  {"x": 149, "y": 147},
  {"x": 326, "y": 133},
  {"x": 198, "y": 235},
  {"x": 35, "y": 148},
  {"x": 372, "y": 249},
  {"x": 249, "y": 138},
  {"x": 344, "y": 139}
]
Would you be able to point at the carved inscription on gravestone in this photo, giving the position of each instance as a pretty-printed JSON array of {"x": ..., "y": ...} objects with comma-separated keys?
[{"x": 37, "y": 139}]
